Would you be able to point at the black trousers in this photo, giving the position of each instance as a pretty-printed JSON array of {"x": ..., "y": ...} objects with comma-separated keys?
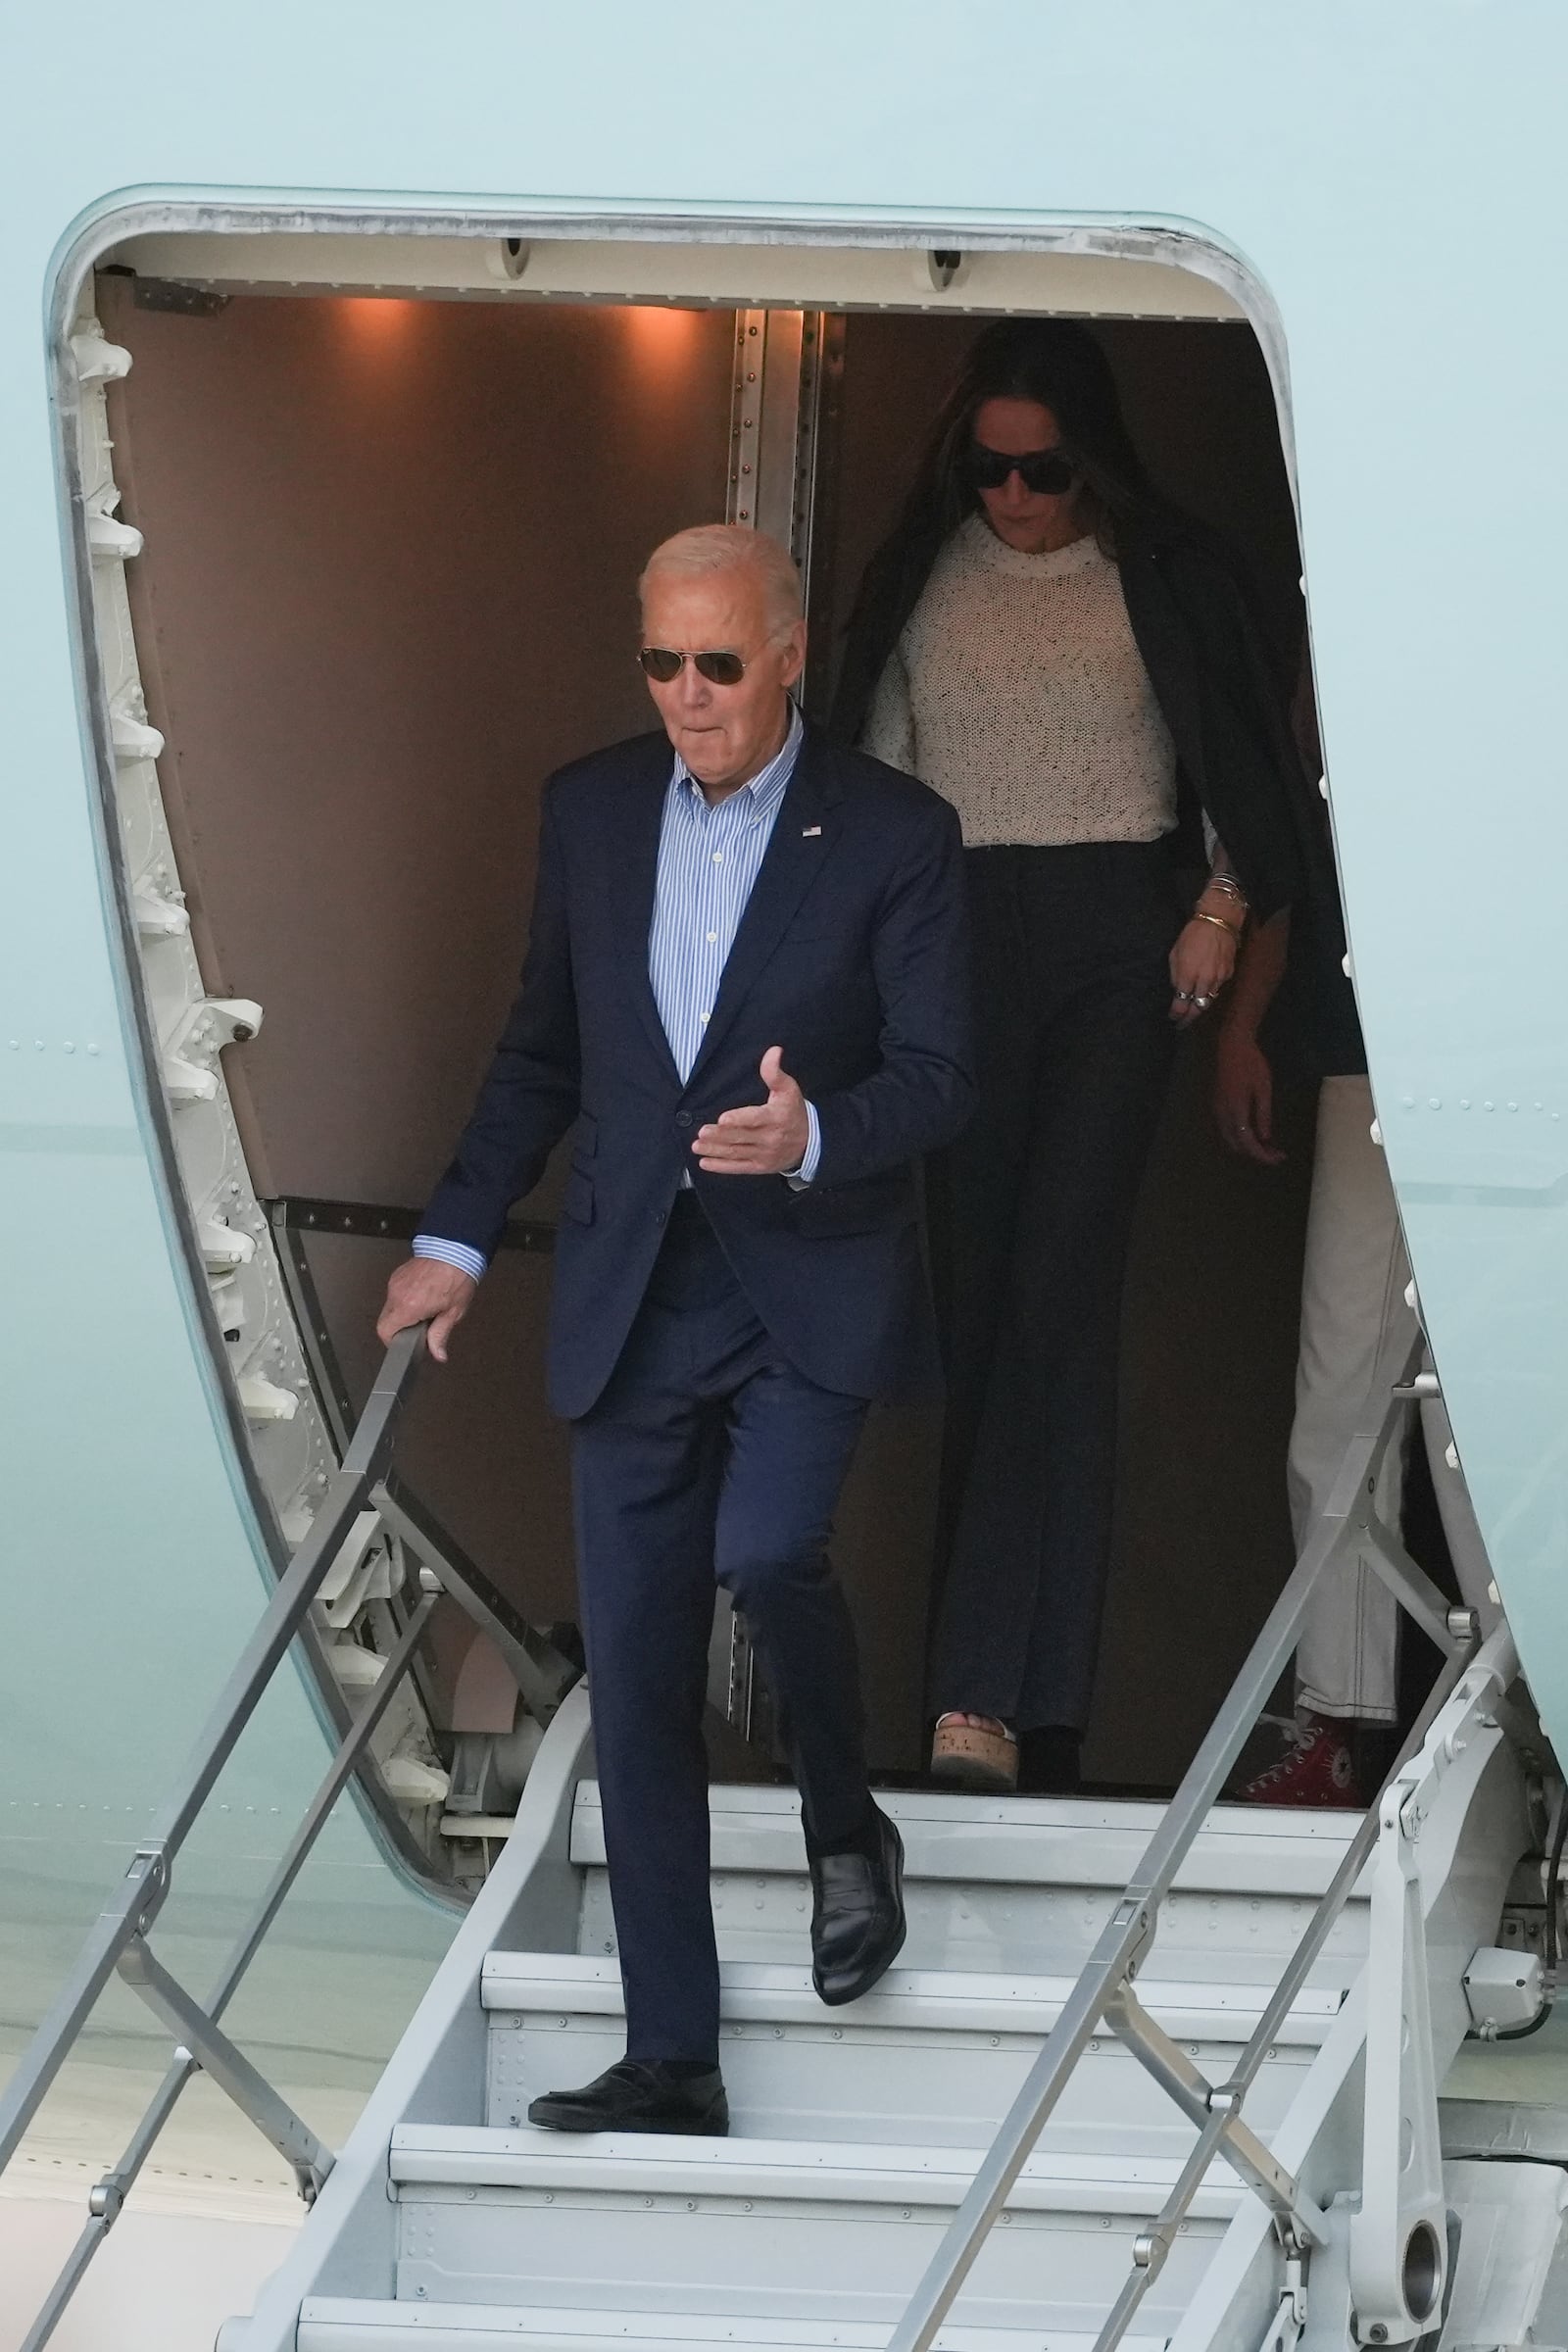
[
  {"x": 1031, "y": 1215},
  {"x": 708, "y": 1459}
]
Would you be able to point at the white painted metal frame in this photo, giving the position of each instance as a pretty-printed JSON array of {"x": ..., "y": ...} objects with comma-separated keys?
[
  {"x": 287, "y": 1441},
  {"x": 1402, "y": 2248},
  {"x": 288, "y": 1447},
  {"x": 831, "y": 266},
  {"x": 530, "y": 1902},
  {"x": 118, "y": 1943},
  {"x": 1400, "y": 2262},
  {"x": 128, "y": 1917},
  {"x": 1398, "y": 2237}
]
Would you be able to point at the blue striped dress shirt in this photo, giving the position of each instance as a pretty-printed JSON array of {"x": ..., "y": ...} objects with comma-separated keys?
[{"x": 708, "y": 861}]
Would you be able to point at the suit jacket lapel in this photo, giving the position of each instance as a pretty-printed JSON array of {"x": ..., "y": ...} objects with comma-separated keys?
[
  {"x": 631, "y": 875},
  {"x": 803, "y": 837}
]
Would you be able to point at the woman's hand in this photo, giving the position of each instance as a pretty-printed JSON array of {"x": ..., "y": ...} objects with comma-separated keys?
[
  {"x": 1201, "y": 963},
  {"x": 1243, "y": 1096}
]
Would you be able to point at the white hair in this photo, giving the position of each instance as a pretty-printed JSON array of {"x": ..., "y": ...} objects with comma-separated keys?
[{"x": 716, "y": 547}]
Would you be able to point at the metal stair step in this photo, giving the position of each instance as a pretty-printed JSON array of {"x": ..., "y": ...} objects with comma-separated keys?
[
  {"x": 1038, "y": 1840},
  {"x": 923, "y": 2000},
  {"x": 330, "y": 2323},
  {"x": 798, "y": 2230},
  {"x": 929, "y": 2056},
  {"x": 853, "y": 2172},
  {"x": 1019, "y": 1884}
]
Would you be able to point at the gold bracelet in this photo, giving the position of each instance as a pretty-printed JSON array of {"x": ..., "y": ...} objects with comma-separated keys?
[{"x": 1219, "y": 920}]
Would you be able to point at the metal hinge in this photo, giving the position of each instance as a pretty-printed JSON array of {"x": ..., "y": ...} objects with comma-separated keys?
[{"x": 1285, "y": 2329}]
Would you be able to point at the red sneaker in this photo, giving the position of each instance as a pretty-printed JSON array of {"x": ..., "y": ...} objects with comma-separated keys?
[{"x": 1319, "y": 1769}]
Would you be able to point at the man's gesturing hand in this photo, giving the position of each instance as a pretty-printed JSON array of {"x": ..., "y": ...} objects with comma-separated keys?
[
  {"x": 768, "y": 1140},
  {"x": 425, "y": 1290}
]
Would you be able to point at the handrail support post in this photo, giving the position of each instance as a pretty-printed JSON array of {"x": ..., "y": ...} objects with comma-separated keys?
[
  {"x": 1398, "y": 2250},
  {"x": 306, "y": 2156},
  {"x": 157, "y": 1878},
  {"x": 1199, "y": 2101}
]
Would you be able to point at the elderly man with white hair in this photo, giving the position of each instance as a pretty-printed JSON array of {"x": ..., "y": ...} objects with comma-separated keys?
[{"x": 745, "y": 996}]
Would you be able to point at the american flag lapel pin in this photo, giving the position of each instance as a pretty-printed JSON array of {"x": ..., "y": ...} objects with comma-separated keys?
[{"x": 812, "y": 833}]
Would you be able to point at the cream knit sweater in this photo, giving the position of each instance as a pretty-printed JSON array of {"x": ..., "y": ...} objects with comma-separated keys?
[{"x": 1017, "y": 692}]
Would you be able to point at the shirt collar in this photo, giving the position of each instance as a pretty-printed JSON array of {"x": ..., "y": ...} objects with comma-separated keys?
[{"x": 768, "y": 786}]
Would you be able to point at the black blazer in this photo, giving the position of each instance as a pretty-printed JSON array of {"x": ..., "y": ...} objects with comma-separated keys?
[
  {"x": 1205, "y": 658},
  {"x": 851, "y": 956}
]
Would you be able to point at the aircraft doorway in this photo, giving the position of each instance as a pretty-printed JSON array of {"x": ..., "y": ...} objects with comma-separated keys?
[{"x": 391, "y": 547}]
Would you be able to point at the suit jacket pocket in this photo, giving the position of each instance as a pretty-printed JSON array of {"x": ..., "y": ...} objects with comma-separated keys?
[{"x": 577, "y": 1200}]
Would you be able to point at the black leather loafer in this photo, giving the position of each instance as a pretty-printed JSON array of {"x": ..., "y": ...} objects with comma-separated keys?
[
  {"x": 857, "y": 1924},
  {"x": 639, "y": 2096}
]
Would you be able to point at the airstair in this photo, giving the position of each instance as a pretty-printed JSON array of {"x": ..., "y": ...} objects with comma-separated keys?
[
  {"x": 1147, "y": 2074},
  {"x": 450, "y": 2225}
]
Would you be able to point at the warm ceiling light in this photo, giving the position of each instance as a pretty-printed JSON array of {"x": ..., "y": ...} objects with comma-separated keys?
[
  {"x": 660, "y": 333},
  {"x": 374, "y": 313}
]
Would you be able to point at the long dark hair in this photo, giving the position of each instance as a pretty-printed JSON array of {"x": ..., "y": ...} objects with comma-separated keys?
[
  {"x": 1058, "y": 364},
  {"x": 1053, "y": 362}
]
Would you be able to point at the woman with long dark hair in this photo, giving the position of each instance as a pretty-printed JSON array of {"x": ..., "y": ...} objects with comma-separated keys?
[{"x": 1073, "y": 662}]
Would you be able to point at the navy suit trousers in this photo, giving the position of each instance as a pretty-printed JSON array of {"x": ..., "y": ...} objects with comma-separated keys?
[{"x": 707, "y": 1458}]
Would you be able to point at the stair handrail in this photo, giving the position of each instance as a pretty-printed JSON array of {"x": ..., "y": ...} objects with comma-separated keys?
[
  {"x": 117, "y": 1942},
  {"x": 1103, "y": 1992},
  {"x": 542, "y": 1672},
  {"x": 135, "y": 1903}
]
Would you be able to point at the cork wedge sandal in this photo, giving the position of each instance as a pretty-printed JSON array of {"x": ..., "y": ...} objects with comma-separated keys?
[{"x": 975, "y": 1755}]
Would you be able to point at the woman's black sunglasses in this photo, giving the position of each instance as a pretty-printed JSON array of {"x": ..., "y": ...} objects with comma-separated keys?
[
  {"x": 1048, "y": 472},
  {"x": 662, "y": 662}
]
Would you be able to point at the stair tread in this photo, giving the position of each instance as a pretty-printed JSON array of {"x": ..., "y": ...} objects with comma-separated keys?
[
  {"x": 520, "y": 2156},
  {"x": 338, "y": 2323},
  {"x": 1067, "y": 1841},
  {"x": 1308, "y": 1825},
  {"x": 927, "y": 1999}
]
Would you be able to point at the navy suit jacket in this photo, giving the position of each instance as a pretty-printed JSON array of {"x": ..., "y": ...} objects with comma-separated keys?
[{"x": 852, "y": 954}]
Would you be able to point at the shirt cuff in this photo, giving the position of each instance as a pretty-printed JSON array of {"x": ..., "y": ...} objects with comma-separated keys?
[
  {"x": 471, "y": 1262},
  {"x": 798, "y": 1178}
]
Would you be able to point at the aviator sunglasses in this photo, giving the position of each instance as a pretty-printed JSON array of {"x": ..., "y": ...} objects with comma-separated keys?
[
  {"x": 1048, "y": 472},
  {"x": 662, "y": 662}
]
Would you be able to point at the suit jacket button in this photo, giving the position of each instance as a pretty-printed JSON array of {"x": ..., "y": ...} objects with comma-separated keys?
[
  {"x": 683, "y": 1119},
  {"x": 658, "y": 1217}
]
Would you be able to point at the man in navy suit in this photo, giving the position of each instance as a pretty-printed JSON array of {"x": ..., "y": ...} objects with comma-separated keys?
[{"x": 745, "y": 996}]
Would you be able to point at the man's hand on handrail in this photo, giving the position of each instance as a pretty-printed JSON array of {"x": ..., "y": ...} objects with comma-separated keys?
[{"x": 424, "y": 1289}]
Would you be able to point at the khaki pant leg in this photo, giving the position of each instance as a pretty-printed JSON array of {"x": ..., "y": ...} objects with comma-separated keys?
[{"x": 1353, "y": 1282}]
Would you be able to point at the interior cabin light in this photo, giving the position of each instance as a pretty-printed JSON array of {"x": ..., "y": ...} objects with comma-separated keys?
[
  {"x": 660, "y": 334},
  {"x": 376, "y": 318}
]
